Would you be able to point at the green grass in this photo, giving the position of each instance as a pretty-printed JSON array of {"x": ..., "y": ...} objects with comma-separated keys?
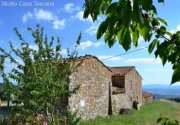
[{"x": 146, "y": 116}]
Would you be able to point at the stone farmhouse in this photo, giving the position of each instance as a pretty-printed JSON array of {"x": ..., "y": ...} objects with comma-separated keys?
[
  {"x": 103, "y": 90},
  {"x": 126, "y": 88},
  {"x": 147, "y": 97}
]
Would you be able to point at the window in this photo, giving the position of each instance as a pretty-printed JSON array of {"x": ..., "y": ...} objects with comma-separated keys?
[{"x": 131, "y": 84}]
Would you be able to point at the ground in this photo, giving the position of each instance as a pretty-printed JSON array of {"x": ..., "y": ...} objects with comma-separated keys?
[{"x": 146, "y": 116}]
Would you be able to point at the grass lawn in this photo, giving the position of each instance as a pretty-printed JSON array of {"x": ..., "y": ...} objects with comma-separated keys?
[{"x": 146, "y": 116}]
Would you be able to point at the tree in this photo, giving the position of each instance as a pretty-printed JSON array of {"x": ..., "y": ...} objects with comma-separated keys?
[
  {"x": 5, "y": 92},
  {"x": 41, "y": 79},
  {"x": 2, "y": 88},
  {"x": 127, "y": 20}
]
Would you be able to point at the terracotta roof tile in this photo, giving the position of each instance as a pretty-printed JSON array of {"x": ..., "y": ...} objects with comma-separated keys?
[
  {"x": 80, "y": 58},
  {"x": 121, "y": 70},
  {"x": 146, "y": 94}
]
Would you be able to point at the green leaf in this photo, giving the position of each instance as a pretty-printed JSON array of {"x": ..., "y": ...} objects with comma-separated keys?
[
  {"x": 112, "y": 7},
  {"x": 146, "y": 4},
  {"x": 161, "y": 1},
  {"x": 124, "y": 38},
  {"x": 135, "y": 36},
  {"x": 126, "y": 13},
  {"x": 163, "y": 29},
  {"x": 86, "y": 13},
  {"x": 101, "y": 30},
  {"x": 127, "y": 41},
  {"x": 136, "y": 14},
  {"x": 169, "y": 34},
  {"x": 106, "y": 36},
  {"x": 162, "y": 21},
  {"x": 164, "y": 59},
  {"x": 176, "y": 75},
  {"x": 152, "y": 45},
  {"x": 148, "y": 37},
  {"x": 111, "y": 41},
  {"x": 159, "y": 119},
  {"x": 154, "y": 9},
  {"x": 144, "y": 29},
  {"x": 156, "y": 53},
  {"x": 155, "y": 22}
]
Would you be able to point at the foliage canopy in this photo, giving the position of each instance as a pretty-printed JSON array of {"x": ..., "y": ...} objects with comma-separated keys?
[
  {"x": 42, "y": 79},
  {"x": 127, "y": 20}
]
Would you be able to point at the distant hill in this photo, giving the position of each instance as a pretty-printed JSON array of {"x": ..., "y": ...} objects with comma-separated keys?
[{"x": 163, "y": 91}]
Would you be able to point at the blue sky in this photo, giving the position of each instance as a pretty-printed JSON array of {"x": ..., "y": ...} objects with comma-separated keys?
[{"x": 64, "y": 18}]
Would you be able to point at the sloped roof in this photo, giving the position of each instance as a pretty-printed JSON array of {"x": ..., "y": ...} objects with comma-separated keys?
[
  {"x": 146, "y": 94},
  {"x": 120, "y": 71},
  {"x": 90, "y": 56}
]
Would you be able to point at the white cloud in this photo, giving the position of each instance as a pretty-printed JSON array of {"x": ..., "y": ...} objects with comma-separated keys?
[
  {"x": 27, "y": 16},
  {"x": 156, "y": 69},
  {"x": 64, "y": 51},
  {"x": 34, "y": 47},
  {"x": 109, "y": 58},
  {"x": 92, "y": 30},
  {"x": 44, "y": 15},
  {"x": 178, "y": 28},
  {"x": 88, "y": 43},
  {"x": 144, "y": 60},
  {"x": 172, "y": 31},
  {"x": 58, "y": 24},
  {"x": 41, "y": 14},
  {"x": 9, "y": 65},
  {"x": 175, "y": 30},
  {"x": 84, "y": 45},
  {"x": 97, "y": 44},
  {"x": 69, "y": 7},
  {"x": 79, "y": 16}
]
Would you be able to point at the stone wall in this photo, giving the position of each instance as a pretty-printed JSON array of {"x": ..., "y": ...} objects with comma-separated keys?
[
  {"x": 120, "y": 101},
  {"x": 132, "y": 82},
  {"x": 133, "y": 85},
  {"x": 148, "y": 99},
  {"x": 92, "y": 99}
]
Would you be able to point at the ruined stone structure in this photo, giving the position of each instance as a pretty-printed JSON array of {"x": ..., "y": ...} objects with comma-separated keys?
[
  {"x": 147, "y": 98},
  {"x": 129, "y": 80},
  {"x": 103, "y": 90},
  {"x": 92, "y": 98}
]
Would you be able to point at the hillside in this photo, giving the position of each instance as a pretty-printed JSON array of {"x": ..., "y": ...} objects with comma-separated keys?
[
  {"x": 163, "y": 91},
  {"x": 146, "y": 116}
]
